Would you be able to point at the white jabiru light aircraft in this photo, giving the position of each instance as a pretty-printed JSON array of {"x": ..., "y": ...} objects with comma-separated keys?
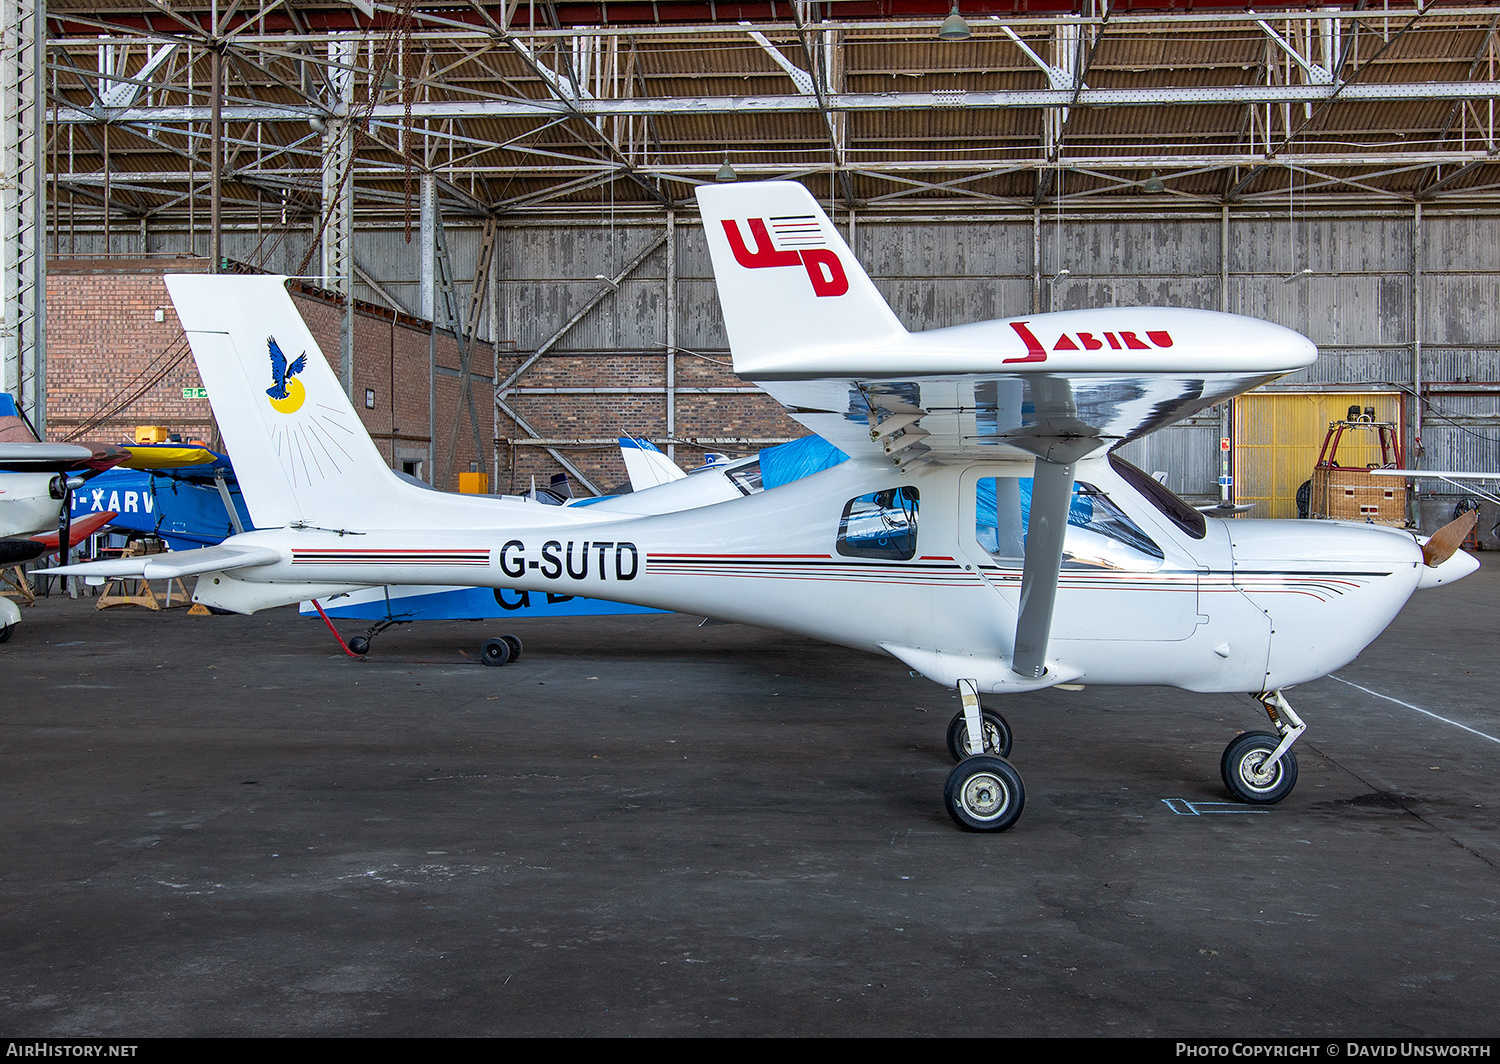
[{"x": 981, "y": 531}]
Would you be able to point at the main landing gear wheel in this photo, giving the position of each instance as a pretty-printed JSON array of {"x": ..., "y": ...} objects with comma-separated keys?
[
  {"x": 514, "y": 642},
  {"x": 996, "y": 732},
  {"x": 985, "y": 793},
  {"x": 1246, "y": 775},
  {"x": 495, "y": 652}
]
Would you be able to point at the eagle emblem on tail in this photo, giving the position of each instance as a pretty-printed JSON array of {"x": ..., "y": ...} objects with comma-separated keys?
[{"x": 280, "y": 371}]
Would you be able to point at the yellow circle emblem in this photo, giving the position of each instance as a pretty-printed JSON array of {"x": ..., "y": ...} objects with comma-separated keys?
[{"x": 295, "y": 393}]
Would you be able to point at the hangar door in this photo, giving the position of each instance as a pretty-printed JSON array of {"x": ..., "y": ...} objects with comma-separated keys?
[{"x": 1277, "y": 437}]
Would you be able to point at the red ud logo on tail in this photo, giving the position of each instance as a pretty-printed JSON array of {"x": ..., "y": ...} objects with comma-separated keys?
[{"x": 798, "y": 242}]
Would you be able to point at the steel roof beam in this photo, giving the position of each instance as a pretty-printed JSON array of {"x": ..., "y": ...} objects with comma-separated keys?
[{"x": 848, "y": 101}]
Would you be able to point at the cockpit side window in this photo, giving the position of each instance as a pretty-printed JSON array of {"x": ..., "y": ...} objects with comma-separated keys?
[
  {"x": 1099, "y": 535},
  {"x": 1162, "y": 497},
  {"x": 882, "y": 524},
  {"x": 747, "y": 478}
]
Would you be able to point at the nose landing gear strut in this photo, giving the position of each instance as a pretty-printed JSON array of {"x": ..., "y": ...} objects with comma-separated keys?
[{"x": 1259, "y": 767}]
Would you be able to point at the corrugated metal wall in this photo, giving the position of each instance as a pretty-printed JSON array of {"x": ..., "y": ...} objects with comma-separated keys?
[{"x": 1373, "y": 276}]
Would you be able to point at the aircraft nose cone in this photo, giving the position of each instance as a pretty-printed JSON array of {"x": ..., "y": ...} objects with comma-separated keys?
[{"x": 1455, "y": 568}]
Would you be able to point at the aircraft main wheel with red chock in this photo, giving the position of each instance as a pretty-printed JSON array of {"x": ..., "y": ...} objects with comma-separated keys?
[
  {"x": 985, "y": 793},
  {"x": 495, "y": 652},
  {"x": 1245, "y": 774},
  {"x": 994, "y": 728}
]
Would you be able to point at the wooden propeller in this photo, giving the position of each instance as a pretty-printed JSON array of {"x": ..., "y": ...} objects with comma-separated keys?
[{"x": 1440, "y": 547}]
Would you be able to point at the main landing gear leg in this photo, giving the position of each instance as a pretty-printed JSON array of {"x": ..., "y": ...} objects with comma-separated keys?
[
  {"x": 360, "y": 644},
  {"x": 985, "y": 792},
  {"x": 1259, "y": 767}
]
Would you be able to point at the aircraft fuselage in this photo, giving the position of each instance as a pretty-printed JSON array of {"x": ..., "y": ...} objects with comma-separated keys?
[{"x": 924, "y": 563}]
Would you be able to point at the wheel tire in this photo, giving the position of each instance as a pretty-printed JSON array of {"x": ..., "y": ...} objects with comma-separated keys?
[
  {"x": 5, "y": 633},
  {"x": 994, "y": 728},
  {"x": 514, "y": 642},
  {"x": 1243, "y": 757},
  {"x": 360, "y": 645},
  {"x": 985, "y": 793},
  {"x": 494, "y": 652}
]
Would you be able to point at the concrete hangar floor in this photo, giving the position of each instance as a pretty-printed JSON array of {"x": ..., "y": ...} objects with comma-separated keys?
[{"x": 221, "y": 826}]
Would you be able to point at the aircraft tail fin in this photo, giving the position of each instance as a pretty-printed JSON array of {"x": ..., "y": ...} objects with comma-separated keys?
[
  {"x": 300, "y": 452},
  {"x": 14, "y": 428},
  {"x": 787, "y": 280},
  {"x": 646, "y": 465}
]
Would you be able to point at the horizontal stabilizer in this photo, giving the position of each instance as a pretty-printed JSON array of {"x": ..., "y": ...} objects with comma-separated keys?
[{"x": 174, "y": 564}]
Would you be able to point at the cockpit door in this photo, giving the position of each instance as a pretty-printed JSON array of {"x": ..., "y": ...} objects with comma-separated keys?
[{"x": 1118, "y": 582}]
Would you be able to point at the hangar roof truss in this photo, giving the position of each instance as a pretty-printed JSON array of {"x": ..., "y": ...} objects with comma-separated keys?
[{"x": 548, "y": 108}]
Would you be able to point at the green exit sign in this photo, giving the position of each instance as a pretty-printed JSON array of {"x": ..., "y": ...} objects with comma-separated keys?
[{"x": 195, "y": 393}]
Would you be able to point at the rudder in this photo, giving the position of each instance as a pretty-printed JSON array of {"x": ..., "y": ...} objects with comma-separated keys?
[
  {"x": 786, "y": 278},
  {"x": 300, "y": 452}
]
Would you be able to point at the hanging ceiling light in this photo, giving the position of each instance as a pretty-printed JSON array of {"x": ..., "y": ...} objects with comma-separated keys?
[
  {"x": 726, "y": 172},
  {"x": 954, "y": 28},
  {"x": 1153, "y": 184}
]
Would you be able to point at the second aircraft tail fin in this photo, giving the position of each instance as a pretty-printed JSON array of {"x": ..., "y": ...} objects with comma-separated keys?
[{"x": 787, "y": 280}]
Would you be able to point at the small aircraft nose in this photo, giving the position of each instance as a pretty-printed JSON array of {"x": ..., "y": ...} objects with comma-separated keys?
[{"x": 1455, "y": 568}]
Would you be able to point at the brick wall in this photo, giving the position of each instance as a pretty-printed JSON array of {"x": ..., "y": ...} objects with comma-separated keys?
[
  {"x": 111, "y": 366},
  {"x": 104, "y": 346}
]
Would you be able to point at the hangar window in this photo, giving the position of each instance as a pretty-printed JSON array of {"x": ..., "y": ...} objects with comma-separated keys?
[
  {"x": 1099, "y": 534},
  {"x": 882, "y": 524}
]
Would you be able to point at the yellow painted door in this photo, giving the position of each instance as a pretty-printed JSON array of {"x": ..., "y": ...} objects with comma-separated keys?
[{"x": 1277, "y": 437}]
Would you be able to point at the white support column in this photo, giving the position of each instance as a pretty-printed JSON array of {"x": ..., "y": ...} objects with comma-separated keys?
[
  {"x": 338, "y": 202},
  {"x": 23, "y": 191},
  {"x": 671, "y": 330},
  {"x": 427, "y": 193},
  {"x": 1416, "y": 332},
  {"x": 1226, "y": 411},
  {"x": 1036, "y": 260}
]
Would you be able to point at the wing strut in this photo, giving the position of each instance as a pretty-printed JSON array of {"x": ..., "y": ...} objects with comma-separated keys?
[
  {"x": 1051, "y": 496},
  {"x": 1058, "y": 439}
]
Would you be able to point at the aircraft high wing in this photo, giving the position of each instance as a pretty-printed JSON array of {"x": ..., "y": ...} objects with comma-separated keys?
[{"x": 980, "y": 531}]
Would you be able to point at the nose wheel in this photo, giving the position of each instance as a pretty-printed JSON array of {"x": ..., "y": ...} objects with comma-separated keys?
[
  {"x": 1259, "y": 767},
  {"x": 1251, "y": 775}
]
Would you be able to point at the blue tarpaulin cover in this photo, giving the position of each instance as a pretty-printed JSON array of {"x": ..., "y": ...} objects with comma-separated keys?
[{"x": 787, "y": 462}]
